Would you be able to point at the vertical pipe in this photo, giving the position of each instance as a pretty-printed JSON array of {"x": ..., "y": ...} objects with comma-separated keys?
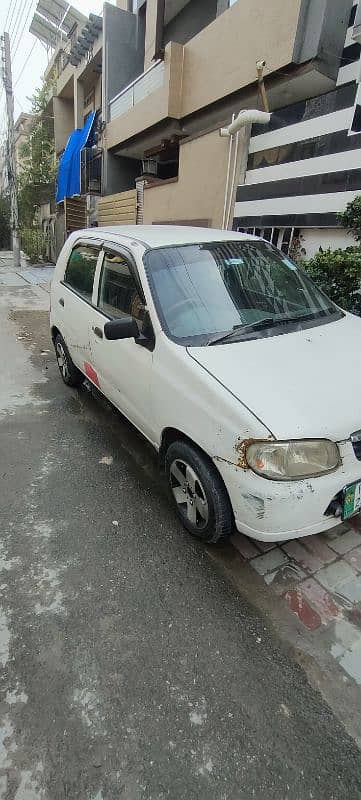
[
  {"x": 227, "y": 180},
  {"x": 240, "y": 167}
]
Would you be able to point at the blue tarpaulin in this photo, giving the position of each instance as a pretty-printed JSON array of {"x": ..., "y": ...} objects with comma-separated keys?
[{"x": 69, "y": 183}]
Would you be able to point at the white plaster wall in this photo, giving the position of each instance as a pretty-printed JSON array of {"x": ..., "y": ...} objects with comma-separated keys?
[{"x": 314, "y": 238}]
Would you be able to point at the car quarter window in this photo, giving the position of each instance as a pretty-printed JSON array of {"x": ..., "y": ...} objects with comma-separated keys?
[
  {"x": 118, "y": 292},
  {"x": 80, "y": 269}
]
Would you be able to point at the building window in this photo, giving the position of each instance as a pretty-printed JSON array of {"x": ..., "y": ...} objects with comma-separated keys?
[
  {"x": 355, "y": 126},
  {"x": 283, "y": 238}
]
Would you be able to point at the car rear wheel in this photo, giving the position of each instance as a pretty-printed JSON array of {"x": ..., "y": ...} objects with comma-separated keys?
[
  {"x": 198, "y": 493},
  {"x": 68, "y": 371}
]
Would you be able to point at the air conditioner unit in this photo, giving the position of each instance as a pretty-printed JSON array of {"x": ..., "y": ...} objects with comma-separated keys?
[{"x": 149, "y": 166}]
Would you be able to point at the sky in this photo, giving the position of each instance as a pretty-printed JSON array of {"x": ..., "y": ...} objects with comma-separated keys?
[{"x": 19, "y": 14}]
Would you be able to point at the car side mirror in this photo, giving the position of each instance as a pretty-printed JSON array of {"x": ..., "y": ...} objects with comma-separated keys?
[{"x": 125, "y": 328}]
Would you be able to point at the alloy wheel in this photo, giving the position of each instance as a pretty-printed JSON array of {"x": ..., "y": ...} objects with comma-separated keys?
[
  {"x": 189, "y": 493},
  {"x": 62, "y": 361}
]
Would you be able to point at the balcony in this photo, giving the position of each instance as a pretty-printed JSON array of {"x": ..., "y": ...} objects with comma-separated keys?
[
  {"x": 151, "y": 97},
  {"x": 142, "y": 87}
]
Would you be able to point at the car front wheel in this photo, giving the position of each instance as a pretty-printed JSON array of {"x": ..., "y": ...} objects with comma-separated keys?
[
  {"x": 198, "y": 493},
  {"x": 68, "y": 371}
]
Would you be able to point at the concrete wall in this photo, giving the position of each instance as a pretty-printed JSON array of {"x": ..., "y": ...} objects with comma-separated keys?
[
  {"x": 191, "y": 19},
  {"x": 314, "y": 238},
  {"x": 150, "y": 32},
  {"x": 78, "y": 103},
  {"x": 98, "y": 94},
  {"x": 64, "y": 78},
  {"x": 200, "y": 190},
  {"x": 321, "y": 32},
  {"x": 122, "y": 59},
  {"x": 119, "y": 173},
  {"x": 248, "y": 31},
  {"x": 63, "y": 121}
]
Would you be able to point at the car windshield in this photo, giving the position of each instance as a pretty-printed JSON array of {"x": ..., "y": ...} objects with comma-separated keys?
[{"x": 205, "y": 293}]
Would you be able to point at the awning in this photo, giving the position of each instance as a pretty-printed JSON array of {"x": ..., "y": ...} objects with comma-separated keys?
[{"x": 69, "y": 179}]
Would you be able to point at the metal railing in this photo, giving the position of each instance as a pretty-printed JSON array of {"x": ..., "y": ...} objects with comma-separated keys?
[{"x": 141, "y": 87}]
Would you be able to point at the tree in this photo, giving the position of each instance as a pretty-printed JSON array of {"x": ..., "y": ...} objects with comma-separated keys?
[
  {"x": 38, "y": 160},
  {"x": 351, "y": 218}
]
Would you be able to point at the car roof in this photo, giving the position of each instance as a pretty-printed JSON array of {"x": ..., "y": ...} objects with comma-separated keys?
[{"x": 163, "y": 235}]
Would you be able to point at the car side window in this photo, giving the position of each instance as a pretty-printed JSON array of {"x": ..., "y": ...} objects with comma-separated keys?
[
  {"x": 80, "y": 269},
  {"x": 118, "y": 291}
]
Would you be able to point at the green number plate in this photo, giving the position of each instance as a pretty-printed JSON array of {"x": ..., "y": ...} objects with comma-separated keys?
[{"x": 352, "y": 500}]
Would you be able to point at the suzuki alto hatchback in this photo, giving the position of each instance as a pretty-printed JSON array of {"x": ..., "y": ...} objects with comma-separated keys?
[{"x": 242, "y": 374}]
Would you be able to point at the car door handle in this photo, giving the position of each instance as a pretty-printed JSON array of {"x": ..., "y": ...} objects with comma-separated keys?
[
  {"x": 61, "y": 301},
  {"x": 98, "y": 332}
]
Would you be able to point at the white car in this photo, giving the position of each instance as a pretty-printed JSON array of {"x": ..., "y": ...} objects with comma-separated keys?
[{"x": 241, "y": 373}]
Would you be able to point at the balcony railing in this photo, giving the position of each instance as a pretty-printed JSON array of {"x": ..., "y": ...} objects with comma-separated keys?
[{"x": 141, "y": 87}]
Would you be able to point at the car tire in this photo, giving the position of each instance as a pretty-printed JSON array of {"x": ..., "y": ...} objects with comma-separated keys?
[
  {"x": 198, "y": 493},
  {"x": 70, "y": 374}
]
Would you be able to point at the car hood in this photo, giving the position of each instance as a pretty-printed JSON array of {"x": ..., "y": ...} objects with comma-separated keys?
[{"x": 301, "y": 384}]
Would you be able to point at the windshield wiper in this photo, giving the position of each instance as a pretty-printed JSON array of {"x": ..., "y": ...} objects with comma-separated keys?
[{"x": 265, "y": 322}]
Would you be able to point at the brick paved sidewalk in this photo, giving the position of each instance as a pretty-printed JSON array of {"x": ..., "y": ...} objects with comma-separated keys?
[{"x": 319, "y": 577}]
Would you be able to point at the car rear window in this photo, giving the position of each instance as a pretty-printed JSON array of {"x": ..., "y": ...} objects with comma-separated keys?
[{"x": 80, "y": 271}]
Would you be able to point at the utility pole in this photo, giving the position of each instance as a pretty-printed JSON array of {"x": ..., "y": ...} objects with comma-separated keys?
[{"x": 13, "y": 185}]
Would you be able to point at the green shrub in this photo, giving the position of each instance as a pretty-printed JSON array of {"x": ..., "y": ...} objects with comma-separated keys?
[
  {"x": 351, "y": 218},
  {"x": 338, "y": 274},
  {"x": 34, "y": 244}
]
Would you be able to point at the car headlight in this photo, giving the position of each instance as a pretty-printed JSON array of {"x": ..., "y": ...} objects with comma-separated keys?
[{"x": 294, "y": 460}]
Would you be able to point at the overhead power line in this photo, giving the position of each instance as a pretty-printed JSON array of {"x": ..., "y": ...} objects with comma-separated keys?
[
  {"x": 26, "y": 19},
  {"x": 8, "y": 23},
  {"x": 25, "y": 63},
  {"x": 7, "y": 15},
  {"x": 17, "y": 20}
]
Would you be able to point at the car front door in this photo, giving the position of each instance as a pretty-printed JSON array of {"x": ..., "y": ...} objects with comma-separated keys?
[
  {"x": 123, "y": 367},
  {"x": 75, "y": 298}
]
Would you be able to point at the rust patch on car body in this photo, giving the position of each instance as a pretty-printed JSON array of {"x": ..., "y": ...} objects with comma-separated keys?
[{"x": 241, "y": 450}]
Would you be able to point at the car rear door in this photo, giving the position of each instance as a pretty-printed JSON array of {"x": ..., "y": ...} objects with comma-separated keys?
[
  {"x": 74, "y": 299},
  {"x": 123, "y": 367}
]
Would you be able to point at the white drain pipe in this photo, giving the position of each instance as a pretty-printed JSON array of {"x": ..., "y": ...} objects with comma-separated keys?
[{"x": 245, "y": 118}]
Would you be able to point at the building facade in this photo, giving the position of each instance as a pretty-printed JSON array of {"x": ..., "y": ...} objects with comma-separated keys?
[
  {"x": 157, "y": 79},
  {"x": 200, "y": 68},
  {"x": 305, "y": 166}
]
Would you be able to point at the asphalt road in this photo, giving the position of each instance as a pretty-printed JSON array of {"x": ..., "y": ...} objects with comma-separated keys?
[{"x": 129, "y": 667}]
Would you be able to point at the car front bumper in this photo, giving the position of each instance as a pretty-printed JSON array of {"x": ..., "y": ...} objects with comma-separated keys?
[{"x": 280, "y": 510}]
